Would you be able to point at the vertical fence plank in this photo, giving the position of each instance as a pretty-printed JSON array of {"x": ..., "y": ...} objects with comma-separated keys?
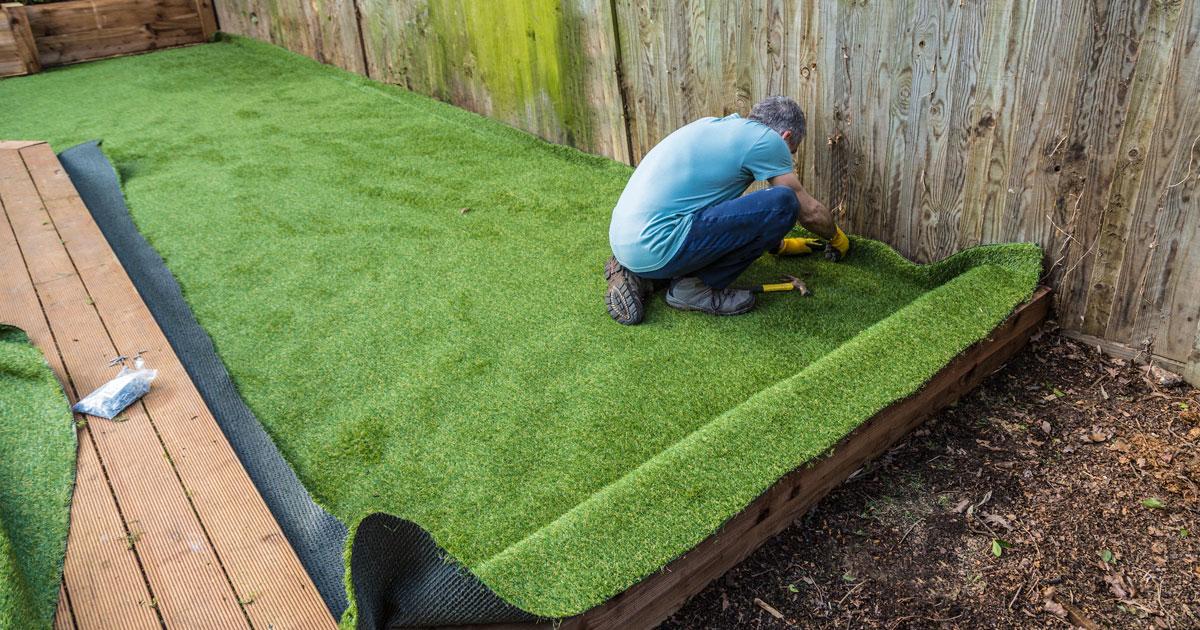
[
  {"x": 1100, "y": 108},
  {"x": 337, "y": 23},
  {"x": 1169, "y": 154},
  {"x": 208, "y": 17},
  {"x": 1168, "y": 310},
  {"x": 992, "y": 120},
  {"x": 1130, "y": 158},
  {"x": 939, "y": 234},
  {"x": 1029, "y": 205}
]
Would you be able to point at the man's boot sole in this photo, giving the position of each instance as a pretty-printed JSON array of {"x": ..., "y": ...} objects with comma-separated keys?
[{"x": 625, "y": 307}]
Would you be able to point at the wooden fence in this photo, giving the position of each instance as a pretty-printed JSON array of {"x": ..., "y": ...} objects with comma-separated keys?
[
  {"x": 42, "y": 35},
  {"x": 933, "y": 124}
]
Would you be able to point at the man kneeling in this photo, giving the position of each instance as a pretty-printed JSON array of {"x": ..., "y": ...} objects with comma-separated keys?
[{"x": 682, "y": 217}]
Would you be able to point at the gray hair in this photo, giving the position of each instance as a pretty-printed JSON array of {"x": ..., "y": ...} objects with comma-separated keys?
[{"x": 781, "y": 114}]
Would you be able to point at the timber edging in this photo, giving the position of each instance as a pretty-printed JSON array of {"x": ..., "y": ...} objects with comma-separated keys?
[{"x": 36, "y": 36}]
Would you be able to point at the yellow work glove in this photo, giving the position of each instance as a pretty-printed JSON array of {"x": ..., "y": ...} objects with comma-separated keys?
[
  {"x": 836, "y": 249},
  {"x": 799, "y": 246}
]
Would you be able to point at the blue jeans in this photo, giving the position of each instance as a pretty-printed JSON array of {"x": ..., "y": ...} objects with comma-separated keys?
[{"x": 724, "y": 239}]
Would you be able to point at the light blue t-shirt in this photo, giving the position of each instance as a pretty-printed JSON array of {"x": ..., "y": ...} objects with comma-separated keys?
[{"x": 701, "y": 164}]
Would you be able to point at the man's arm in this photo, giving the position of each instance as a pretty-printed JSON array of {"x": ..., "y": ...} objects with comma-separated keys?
[{"x": 814, "y": 216}]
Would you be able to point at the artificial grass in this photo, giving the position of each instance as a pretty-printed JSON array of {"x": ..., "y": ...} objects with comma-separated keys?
[
  {"x": 37, "y": 475},
  {"x": 458, "y": 369}
]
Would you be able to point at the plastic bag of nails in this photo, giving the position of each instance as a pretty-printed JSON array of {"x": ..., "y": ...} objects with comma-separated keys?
[{"x": 110, "y": 398}]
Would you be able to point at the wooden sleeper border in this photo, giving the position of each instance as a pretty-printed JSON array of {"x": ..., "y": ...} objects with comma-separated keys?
[{"x": 42, "y": 35}]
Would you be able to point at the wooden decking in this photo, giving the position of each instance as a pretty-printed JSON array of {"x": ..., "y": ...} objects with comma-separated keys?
[{"x": 167, "y": 530}]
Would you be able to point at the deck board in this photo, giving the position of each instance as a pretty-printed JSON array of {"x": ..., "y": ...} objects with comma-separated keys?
[
  {"x": 185, "y": 578},
  {"x": 63, "y": 620},
  {"x": 208, "y": 552},
  {"x": 104, "y": 576},
  {"x": 106, "y": 585}
]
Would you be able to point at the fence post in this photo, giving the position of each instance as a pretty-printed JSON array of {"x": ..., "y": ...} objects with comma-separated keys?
[
  {"x": 208, "y": 18},
  {"x": 26, "y": 47}
]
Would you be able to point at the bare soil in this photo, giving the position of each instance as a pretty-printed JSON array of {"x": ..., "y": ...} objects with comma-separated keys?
[{"x": 1060, "y": 493}]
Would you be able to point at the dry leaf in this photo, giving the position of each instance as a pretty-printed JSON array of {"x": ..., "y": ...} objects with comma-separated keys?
[
  {"x": 1115, "y": 584},
  {"x": 1054, "y": 608},
  {"x": 996, "y": 519},
  {"x": 1165, "y": 377}
]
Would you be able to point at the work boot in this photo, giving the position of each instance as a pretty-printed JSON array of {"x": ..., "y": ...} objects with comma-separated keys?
[
  {"x": 690, "y": 294},
  {"x": 626, "y": 292}
]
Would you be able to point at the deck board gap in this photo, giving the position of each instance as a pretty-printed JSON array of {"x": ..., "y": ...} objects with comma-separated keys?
[
  {"x": 41, "y": 305},
  {"x": 70, "y": 257}
]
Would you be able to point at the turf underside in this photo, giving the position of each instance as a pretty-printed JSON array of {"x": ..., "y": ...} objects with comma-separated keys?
[
  {"x": 37, "y": 474},
  {"x": 459, "y": 369}
]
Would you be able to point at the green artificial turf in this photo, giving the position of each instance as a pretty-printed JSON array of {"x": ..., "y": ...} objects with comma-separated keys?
[
  {"x": 459, "y": 369},
  {"x": 37, "y": 474}
]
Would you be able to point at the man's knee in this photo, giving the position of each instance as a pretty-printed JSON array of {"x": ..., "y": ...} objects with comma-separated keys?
[{"x": 787, "y": 206}]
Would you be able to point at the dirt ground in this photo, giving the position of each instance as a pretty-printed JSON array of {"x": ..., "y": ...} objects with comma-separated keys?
[{"x": 1060, "y": 493}]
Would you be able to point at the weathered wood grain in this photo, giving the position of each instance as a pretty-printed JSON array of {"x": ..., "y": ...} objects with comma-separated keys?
[
  {"x": 1160, "y": 306},
  {"x": 1099, "y": 113},
  {"x": 545, "y": 67},
  {"x": 83, "y": 30},
  {"x": 208, "y": 17},
  {"x": 1145, "y": 95},
  {"x": 18, "y": 26},
  {"x": 933, "y": 124},
  {"x": 11, "y": 62},
  {"x": 1191, "y": 369}
]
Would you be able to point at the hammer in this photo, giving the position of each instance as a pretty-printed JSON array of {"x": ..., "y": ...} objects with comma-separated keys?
[{"x": 789, "y": 283}]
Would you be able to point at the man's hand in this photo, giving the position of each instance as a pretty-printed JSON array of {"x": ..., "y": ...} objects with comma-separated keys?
[
  {"x": 836, "y": 248},
  {"x": 799, "y": 246}
]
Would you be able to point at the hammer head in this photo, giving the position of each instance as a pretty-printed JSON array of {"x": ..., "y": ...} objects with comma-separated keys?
[{"x": 796, "y": 282}]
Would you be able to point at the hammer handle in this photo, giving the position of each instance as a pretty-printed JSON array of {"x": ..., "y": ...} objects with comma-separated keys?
[{"x": 784, "y": 286}]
